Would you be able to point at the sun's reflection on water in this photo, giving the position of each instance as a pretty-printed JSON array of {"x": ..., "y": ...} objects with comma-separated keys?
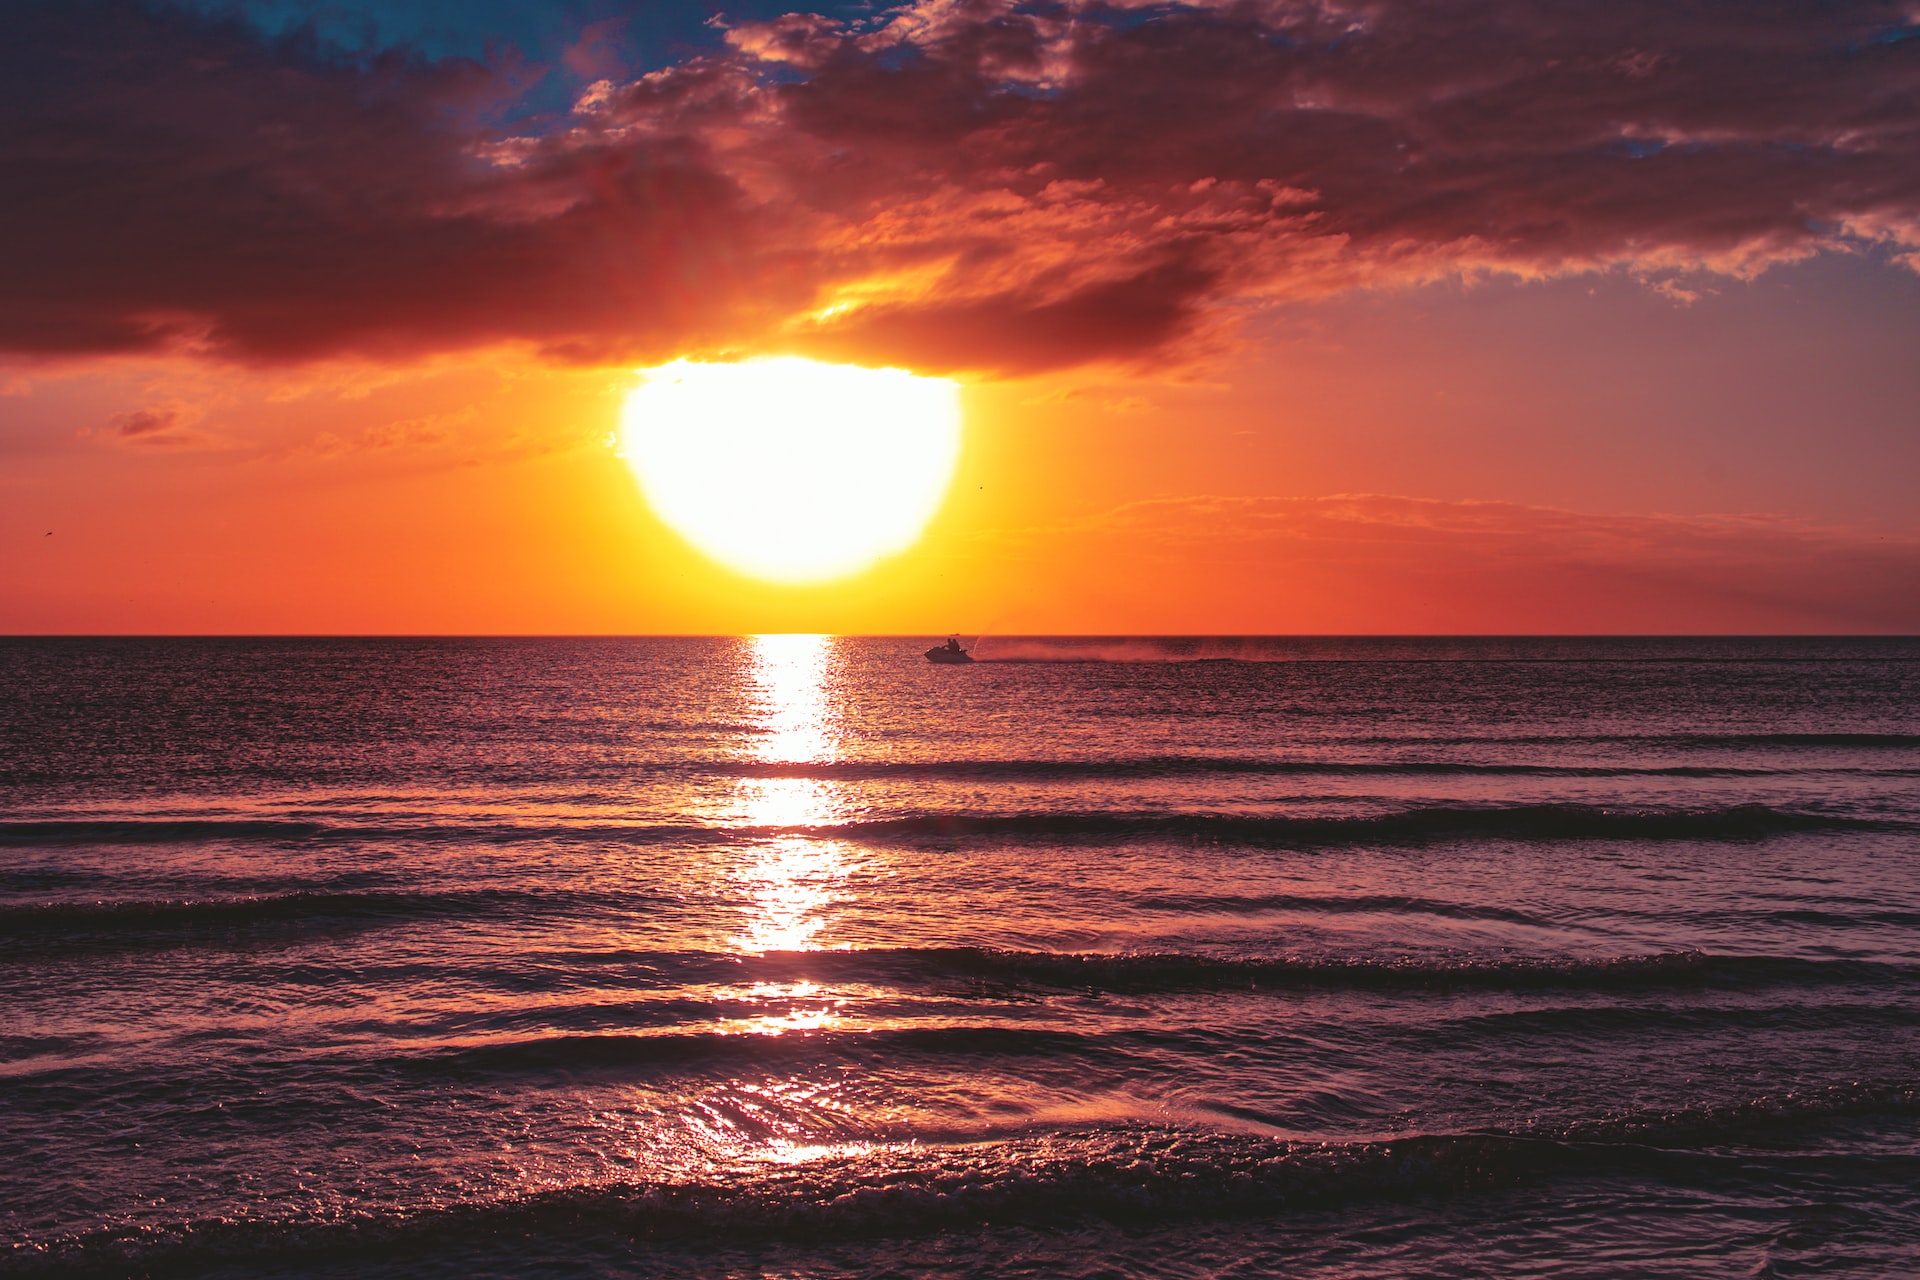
[
  {"x": 792, "y": 878},
  {"x": 789, "y": 880},
  {"x": 789, "y": 683}
]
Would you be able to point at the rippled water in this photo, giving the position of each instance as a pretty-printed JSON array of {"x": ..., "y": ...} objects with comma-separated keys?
[{"x": 799, "y": 956}]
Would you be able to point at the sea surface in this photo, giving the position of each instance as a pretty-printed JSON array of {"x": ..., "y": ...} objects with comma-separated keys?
[{"x": 798, "y": 956}]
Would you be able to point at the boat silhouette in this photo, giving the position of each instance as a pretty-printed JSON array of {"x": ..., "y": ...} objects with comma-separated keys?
[{"x": 950, "y": 652}]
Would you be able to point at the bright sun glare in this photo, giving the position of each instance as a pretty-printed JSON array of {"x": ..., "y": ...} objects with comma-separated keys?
[{"x": 789, "y": 469}]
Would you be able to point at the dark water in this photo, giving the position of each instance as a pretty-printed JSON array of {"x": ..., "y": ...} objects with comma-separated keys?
[{"x": 798, "y": 957}]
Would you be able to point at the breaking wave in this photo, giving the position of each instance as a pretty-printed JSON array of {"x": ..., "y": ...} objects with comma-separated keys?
[
  {"x": 1193, "y": 766},
  {"x": 1044, "y": 1180},
  {"x": 1403, "y": 826}
]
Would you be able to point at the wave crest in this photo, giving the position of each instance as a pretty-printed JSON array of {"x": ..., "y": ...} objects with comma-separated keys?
[{"x": 1041, "y": 1180}]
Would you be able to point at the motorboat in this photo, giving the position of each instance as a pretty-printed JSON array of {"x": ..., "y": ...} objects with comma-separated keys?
[{"x": 949, "y": 652}]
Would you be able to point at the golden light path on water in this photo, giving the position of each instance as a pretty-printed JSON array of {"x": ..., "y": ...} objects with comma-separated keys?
[
  {"x": 787, "y": 886},
  {"x": 791, "y": 881}
]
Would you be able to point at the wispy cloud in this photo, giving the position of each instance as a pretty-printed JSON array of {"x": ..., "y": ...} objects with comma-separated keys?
[
  {"x": 1361, "y": 562},
  {"x": 164, "y": 426}
]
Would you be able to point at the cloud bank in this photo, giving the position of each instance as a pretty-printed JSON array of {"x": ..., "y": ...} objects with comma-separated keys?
[{"x": 956, "y": 185}]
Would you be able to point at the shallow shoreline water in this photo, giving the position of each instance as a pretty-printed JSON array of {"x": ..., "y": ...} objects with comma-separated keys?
[{"x": 802, "y": 956}]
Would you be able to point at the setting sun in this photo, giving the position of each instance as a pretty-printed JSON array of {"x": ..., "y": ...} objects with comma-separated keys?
[{"x": 789, "y": 469}]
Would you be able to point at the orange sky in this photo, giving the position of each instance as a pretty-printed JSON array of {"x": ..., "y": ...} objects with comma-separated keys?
[
  {"x": 1314, "y": 401},
  {"x": 483, "y": 497}
]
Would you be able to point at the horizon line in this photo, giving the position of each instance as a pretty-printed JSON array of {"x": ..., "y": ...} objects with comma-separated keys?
[{"x": 1002, "y": 635}]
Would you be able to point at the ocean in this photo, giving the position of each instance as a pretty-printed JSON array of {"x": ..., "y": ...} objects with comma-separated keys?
[{"x": 799, "y": 956}]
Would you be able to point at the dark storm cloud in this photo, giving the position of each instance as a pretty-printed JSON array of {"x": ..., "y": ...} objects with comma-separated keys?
[
  {"x": 173, "y": 179},
  {"x": 952, "y": 185}
]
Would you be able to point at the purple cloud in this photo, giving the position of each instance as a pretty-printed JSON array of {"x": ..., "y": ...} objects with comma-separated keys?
[{"x": 954, "y": 185}]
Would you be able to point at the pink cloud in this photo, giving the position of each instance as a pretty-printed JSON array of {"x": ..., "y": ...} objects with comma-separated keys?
[{"x": 984, "y": 185}]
